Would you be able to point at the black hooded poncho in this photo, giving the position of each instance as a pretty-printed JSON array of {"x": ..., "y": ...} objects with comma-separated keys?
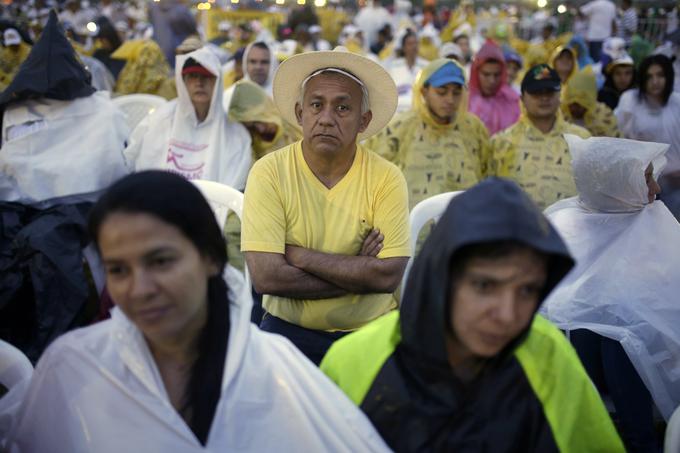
[{"x": 533, "y": 396}]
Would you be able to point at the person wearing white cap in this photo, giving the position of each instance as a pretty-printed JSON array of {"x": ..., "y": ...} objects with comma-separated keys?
[
  {"x": 318, "y": 43},
  {"x": 325, "y": 227},
  {"x": 11, "y": 37},
  {"x": 619, "y": 77},
  {"x": 12, "y": 53}
]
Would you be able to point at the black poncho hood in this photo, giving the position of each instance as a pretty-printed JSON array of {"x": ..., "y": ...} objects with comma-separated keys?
[
  {"x": 52, "y": 70},
  {"x": 493, "y": 210}
]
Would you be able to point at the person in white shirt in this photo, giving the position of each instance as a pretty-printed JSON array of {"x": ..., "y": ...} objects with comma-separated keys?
[
  {"x": 406, "y": 66},
  {"x": 259, "y": 64},
  {"x": 191, "y": 135},
  {"x": 601, "y": 15}
]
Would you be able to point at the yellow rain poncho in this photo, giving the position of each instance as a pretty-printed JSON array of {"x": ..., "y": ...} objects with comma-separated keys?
[
  {"x": 459, "y": 17},
  {"x": 146, "y": 70},
  {"x": 435, "y": 158},
  {"x": 250, "y": 103},
  {"x": 540, "y": 163},
  {"x": 557, "y": 53},
  {"x": 582, "y": 89},
  {"x": 10, "y": 60},
  {"x": 533, "y": 55},
  {"x": 427, "y": 49}
]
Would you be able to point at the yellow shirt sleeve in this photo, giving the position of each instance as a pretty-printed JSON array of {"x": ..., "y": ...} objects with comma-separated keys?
[
  {"x": 264, "y": 223},
  {"x": 391, "y": 215}
]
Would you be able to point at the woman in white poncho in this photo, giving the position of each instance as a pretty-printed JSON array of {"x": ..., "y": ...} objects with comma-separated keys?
[
  {"x": 178, "y": 367},
  {"x": 191, "y": 135},
  {"x": 623, "y": 293}
]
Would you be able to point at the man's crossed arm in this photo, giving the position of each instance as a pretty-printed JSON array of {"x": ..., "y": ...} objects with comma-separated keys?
[{"x": 309, "y": 274}]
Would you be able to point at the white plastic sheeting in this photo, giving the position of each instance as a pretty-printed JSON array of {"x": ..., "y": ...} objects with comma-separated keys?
[
  {"x": 98, "y": 389},
  {"x": 626, "y": 285},
  {"x": 52, "y": 149}
]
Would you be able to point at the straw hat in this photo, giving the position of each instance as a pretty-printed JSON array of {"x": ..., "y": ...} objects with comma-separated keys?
[{"x": 382, "y": 92}]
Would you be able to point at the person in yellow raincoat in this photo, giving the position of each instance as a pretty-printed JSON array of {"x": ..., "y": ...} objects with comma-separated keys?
[
  {"x": 580, "y": 106},
  {"x": 145, "y": 70},
  {"x": 465, "y": 13},
  {"x": 251, "y": 106},
  {"x": 533, "y": 54},
  {"x": 438, "y": 145},
  {"x": 533, "y": 152},
  {"x": 564, "y": 61},
  {"x": 13, "y": 52}
]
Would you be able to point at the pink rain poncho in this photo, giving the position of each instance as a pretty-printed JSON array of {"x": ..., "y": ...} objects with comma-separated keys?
[{"x": 502, "y": 109}]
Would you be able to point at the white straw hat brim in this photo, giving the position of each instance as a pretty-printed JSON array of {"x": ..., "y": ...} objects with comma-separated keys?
[{"x": 382, "y": 92}]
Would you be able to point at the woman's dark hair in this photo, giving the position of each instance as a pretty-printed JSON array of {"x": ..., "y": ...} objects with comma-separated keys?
[
  {"x": 408, "y": 34},
  {"x": 107, "y": 31},
  {"x": 668, "y": 72},
  {"x": 176, "y": 201}
]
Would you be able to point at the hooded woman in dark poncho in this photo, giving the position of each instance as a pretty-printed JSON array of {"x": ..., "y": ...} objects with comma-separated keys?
[{"x": 447, "y": 374}]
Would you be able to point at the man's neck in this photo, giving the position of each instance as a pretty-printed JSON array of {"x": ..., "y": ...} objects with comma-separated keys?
[
  {"x": 441, "y": 119},
  {"x": 543, "y": 124},
  {"x": 329, "y": 168}
]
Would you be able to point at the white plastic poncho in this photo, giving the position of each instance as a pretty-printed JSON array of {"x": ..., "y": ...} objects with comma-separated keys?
[
  {"x": 53, "y": 149},
  {"x": 627, "y": 279},
  {"x": 640, "y": 121},
  {"x": 97, "y": 389},
  {"x": 273, "y": 65},
  {"x": 171, "y": 138}
]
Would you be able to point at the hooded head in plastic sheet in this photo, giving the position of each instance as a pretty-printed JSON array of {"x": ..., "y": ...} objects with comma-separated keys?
[
  {"x": 466, "y": 365},
  {"x": 626, "y": 284}
]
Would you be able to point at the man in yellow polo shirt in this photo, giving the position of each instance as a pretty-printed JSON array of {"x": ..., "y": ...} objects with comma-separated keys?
[{"x": 325, "y": 229}]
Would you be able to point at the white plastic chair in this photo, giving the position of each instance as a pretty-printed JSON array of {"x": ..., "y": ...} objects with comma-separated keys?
[
  {"x": 14, "y": 365},
  {"x": 672, "y": 442},
  {"x": 223, "y": 199},
  {"x": 138, "y": 106},
  {"x": 429, "y": 209}
]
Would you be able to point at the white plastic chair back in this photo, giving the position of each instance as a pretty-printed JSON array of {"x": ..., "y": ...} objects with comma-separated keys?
[
  {"x": 223, "y": 199},
  {"x": 672, "y": 442},
  {"x": 14, "y": 365},
  {"x": 138, "y": 106},
  {"x": 429, "y": 209}
]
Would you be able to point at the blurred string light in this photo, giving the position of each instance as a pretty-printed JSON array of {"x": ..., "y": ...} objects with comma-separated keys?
[
  {"x": 280, "y": 2},
  {"x": 541, "y": 3},
  {"x": 561, "y": 9},
  {"x": 301, "y": 2},
  {"x": 203, "y": 6},
  {"x": 91, "y": 27},
  {"x": 320, "y": 3}
]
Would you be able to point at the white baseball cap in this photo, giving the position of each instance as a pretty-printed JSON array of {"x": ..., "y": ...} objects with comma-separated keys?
[{"x": 11, "y": 37}]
